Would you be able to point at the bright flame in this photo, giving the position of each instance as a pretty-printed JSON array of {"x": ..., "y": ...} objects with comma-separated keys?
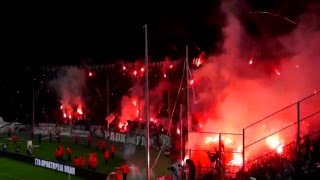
[
  {"x": 142, "y": 69},
  {"x": 212, "y": 139},
  {"x": 164, "y": 75},
  {"x": 135, "y": 72},
  {"x": 278, "y": 72},
  {"x": 200, "y": 125},
  {"x": 297, "y": 66},
  {"x": 198, "y": 62},
  {"x": 70, "y": 116},
  {"x": 124, "y": 68},
  {"x": 275, "y": 143},
  {"x": 170, "y": 66},
  {"x": 64, "y": 115},
  {"x": 90, "y": 74},
  {"x": 79, "y": 111},
  {"x": 237, "y": 159},
  {"x": 251, "y": 61},
  {"x": 178, "y": 131},
  {"x": 61, "y": 107},
  {"x": 191, "y": 82},
  {"x": 280, "y": 149},
  {"x": 134, "y": 103}
]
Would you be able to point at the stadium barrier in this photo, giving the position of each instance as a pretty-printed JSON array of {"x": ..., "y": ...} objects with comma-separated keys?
[{"x": 53, "y": 165}]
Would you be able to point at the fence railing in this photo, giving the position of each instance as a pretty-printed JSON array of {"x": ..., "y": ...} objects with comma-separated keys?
[
  {"x": 224, "y": 152},
  {"x": 283, "y": 130}
]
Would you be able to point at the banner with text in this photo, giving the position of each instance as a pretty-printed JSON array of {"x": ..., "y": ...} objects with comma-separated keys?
[{"x": 139, "y": 140}]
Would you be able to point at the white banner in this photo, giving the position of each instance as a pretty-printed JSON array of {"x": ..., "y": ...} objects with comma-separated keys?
[
  {"x": 44, "y": 130},
  {"x": 80, "y": 133},
  {"x": 65, "y": 131},
  {"x": 47, "y": 125}
]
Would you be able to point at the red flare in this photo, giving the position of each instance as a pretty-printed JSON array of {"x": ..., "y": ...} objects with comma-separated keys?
[
  {"x": 191, "y": 82},
  {"x": 90, "y": 74},
  {"x": 135, "y": 73},
  {"x": 79, "y": 111},
  {"x": 142, "y": 69},
  {"x": 124, "y": 68}
]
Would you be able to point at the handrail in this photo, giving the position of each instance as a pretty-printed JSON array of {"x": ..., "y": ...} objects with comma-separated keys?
[
  {"x": 282, "y": 109},
  {"x": 207, "y": 132},
  {"x": 293, "y": 142}
]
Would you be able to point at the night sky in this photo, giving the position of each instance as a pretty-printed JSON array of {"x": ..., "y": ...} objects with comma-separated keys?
[{"x": 103, "y": 33}]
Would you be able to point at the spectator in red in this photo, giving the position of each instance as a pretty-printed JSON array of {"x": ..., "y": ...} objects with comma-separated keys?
[
  {"x": 125, "y": 170},
  {"x": 14, "y": 139},
  {"x": 9, "y": 132},
  {"x": 61, "y": 151},
  {"x": 112, "y": 150},
  {"x": 69, "y": 152},
  {"x": 89, "y": 140},
  {"x": 31, "y": 133},
  {"x": 76, "y": 162},
  {"x": 81, "y": 161},
  {"x": 118, "y": 174},
  {"x": 93, "y": 161},
  {"x": 76, "y": 139},
  {"x": 106, "y": 156},
  {"x": 58, "y": 154}
]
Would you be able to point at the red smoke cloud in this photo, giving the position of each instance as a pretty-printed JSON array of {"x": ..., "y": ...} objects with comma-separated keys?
[{"x": 232, "y": 93}]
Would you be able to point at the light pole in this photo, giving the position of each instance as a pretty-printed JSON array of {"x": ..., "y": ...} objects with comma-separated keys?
[
  {"x": 147, "y": 102},
  {"x": 33, "y": 79}
]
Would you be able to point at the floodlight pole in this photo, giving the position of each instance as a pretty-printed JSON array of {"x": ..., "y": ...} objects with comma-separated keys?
[{"x": 147, "y": 103}]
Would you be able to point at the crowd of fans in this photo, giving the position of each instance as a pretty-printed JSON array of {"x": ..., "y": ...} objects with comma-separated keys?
[{"x": 301, "y": 164}]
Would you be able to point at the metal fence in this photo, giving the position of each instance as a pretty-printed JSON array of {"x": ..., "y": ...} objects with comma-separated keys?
[
  {"x": 293, "y": 124},
  {"x": 225, "y": 147},
  {"x": 288, "y": 127}
]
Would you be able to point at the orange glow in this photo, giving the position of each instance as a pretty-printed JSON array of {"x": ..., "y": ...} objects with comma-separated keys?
[
  {"x": 212, "y": 139},
  {"x": 191, "y": 82},
  {"x": 251, "y": 61},
  {"x": 237, "y": 159},
  {"x": 275, "y": 143},
  {"x": 198, "y": 62},
  {"x": 79, "y": 111},
  {"x": 134, "y": 102}
]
